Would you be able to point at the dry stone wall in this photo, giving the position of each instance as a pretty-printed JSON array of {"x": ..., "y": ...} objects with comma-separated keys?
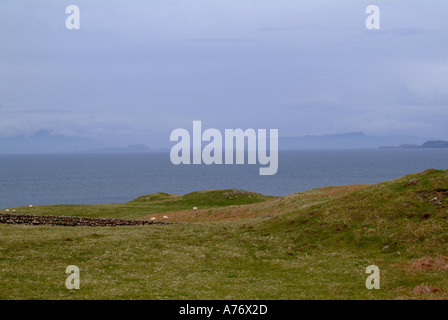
[{"x": 72, "y": 221}]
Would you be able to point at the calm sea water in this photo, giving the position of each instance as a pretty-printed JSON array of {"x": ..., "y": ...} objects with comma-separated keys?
[{"x": 112, "y": 178}]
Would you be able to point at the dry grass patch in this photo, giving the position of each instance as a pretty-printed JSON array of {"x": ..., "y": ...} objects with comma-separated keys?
[
  {"x": 428, "y": 264},
  {"x": 232, "y": 213},
  {"x": 330, "y": 192},
  {"x": 425, "y": 289}
]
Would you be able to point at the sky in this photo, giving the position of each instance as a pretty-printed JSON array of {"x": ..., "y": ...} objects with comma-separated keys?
[{"x": 136, "y": 70}]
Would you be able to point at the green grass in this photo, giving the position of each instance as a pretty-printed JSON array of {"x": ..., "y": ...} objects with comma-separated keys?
[
  {"x": 151, "y": 204},
  {"x": 309, "y": 245}
]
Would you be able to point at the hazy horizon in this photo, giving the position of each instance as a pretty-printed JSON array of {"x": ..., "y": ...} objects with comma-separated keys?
[
  {"x": 137, "y": 70},
  {"x": 44, "y": 141}
]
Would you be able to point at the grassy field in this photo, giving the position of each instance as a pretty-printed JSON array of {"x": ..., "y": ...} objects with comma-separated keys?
[
  {"x": 242, "y": 245},
  {"x": 156, "y": 204}
]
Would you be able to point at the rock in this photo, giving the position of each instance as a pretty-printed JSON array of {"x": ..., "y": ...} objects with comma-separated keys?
[
  {"x": 412, "y": 182},
  {"x": 424, "y": 289},
  {"x": 435, "y": 200}
]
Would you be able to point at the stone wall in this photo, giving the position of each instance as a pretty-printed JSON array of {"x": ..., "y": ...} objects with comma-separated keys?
[{"x": 71, "y": 221}]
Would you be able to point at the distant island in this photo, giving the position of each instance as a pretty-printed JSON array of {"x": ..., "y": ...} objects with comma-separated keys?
[
  {"x": 349, "y": 140},
  {"x": 433, "y": 144},
  {"x": 47, "y": 141},
  {"x": 134, "y": 148}
]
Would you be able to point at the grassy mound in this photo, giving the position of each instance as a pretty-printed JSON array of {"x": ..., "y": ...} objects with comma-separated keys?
[
  {"x": 159, "y": 196},
  {"x": 205, "y": 199},
  {"x": 406, "y": 214},
  {"x": 152, "y": 204}
]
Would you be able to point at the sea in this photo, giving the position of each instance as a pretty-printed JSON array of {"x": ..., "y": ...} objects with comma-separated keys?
[{"x": 40, "y": 179}]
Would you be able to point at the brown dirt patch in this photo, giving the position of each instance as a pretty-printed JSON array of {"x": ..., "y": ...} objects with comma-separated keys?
[
  {"x": 426, "y": 289},
  {"x": 428, "y": 264}
]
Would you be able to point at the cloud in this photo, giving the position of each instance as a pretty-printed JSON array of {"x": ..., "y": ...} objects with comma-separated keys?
[
  {"x": 311, "y": 102},
  {"x": 305, "y": 67},
  {"x": 426, "y": 83},
  {"x": 409, "y": 31}
]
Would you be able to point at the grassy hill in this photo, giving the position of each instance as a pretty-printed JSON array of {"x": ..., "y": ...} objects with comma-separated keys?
[
  {"x": 156, "y": 203},
  {"x": 242, "y": 245}
]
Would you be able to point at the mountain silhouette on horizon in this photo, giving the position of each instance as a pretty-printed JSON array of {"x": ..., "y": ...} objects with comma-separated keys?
[
  {"x": 43, "y": 141},
  {"x": 350, "y": 140}
]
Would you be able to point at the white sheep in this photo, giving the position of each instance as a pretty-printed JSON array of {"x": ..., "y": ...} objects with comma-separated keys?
[
  {"x": 7, "y": 210},
  {"x": 195, "y": 208},
  {"x": 165, "y": 217},
  {"x": 14, "y": 210},
  {"x": 153, "y": 218},
  {"x": 30, "y": 206}
]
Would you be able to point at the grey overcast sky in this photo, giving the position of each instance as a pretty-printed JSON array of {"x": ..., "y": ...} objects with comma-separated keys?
[{"x": 136, "y": 70}]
